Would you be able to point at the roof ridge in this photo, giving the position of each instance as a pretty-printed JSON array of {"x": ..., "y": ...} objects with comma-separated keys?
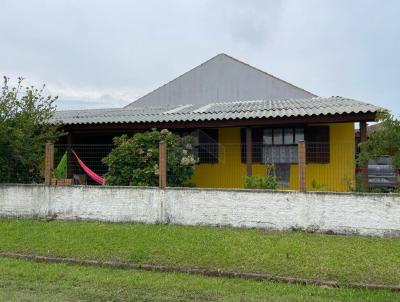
[
  {"x": 97, "y": 109},
  {"x": 267, "y": 100}
]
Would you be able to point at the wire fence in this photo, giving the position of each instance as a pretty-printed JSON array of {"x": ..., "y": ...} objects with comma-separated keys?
[
  {"x": 329, "y": 166},
  {"x": 90, "y": 154}
]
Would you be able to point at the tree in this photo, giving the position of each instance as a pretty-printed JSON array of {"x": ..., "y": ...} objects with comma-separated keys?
[
  {"x": 134, "y": 161},
  {"x": 383, "y": 141},
  {"x": 25, "y": 128}
]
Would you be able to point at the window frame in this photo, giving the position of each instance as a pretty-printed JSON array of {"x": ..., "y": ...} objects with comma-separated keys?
[
  {"x": 318, "y": 141},
  {"x": 283, "y": 135},
  {"x": 259, "y": 144},
  {"x": 309, "y": 136}
]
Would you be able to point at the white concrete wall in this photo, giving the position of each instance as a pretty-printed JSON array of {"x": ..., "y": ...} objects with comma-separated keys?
[{"x": 365, "y": 214}]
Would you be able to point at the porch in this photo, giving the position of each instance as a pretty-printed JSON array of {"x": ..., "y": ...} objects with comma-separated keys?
[{"x": 227, "y": 154}]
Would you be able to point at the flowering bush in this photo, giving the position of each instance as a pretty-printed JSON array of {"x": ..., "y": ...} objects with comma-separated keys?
[{"x": 134, "y": 161}]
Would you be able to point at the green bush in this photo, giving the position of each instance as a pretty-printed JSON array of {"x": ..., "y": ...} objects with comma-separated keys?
[
  {"x": 26, "y": 125},
  {"x": 134, "y": 161},
  {"x": 316, "y": 186},
  {"x": 268, "y": 181},
  {"x": 383, "y": 141}
]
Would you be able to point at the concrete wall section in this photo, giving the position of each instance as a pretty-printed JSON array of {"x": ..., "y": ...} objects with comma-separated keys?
[
  {"x": 365, "y": 214},
  {"x": 110, "y": 204}
]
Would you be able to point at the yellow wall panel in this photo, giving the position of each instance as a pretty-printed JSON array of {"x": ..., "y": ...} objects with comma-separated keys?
[{"x": 337, "y": 175}]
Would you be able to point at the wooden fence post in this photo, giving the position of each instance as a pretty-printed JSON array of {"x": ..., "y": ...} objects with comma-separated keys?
[
  {"x": 302, "y": 165},
  {"x": 364, "y": 168},
  {"x": 162, "y": 165},
  {"x": 249, "y": 152},
  {"x": 48, "y": 163}
]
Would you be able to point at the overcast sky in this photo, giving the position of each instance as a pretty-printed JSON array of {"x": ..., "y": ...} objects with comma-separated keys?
[{"x": 94, "y": 53}]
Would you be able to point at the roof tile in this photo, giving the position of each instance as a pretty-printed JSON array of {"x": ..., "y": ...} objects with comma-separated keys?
[{"x": 217, "y": 111}]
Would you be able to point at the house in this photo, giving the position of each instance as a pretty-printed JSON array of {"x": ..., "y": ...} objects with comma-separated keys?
[{"x": 232, "y": 108}]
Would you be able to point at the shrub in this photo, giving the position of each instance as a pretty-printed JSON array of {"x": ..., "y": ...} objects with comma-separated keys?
[
  {"x": 316, "y": 186},
  {"x": 383, "y": 141},
  {"x": 268, "y": 181},
  {"x": 134, "y": 161},
  {"x": 26, "y": 125}
]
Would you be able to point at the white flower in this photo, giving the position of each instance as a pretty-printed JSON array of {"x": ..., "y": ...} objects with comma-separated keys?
[
  {"x": 140, "y": 151},
  {"x": 187, "y": 160},
  {"x": 184, "y": 152},
  {"x": 184, "y": 161},
  {"x": 192, "y": 161},
  {"x": 165, "y": 131}
]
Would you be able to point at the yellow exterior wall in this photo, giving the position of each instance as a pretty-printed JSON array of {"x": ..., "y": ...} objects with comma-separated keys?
[
  {"x": 337, "y": 175},
  {"x": 229, "y": 172}
]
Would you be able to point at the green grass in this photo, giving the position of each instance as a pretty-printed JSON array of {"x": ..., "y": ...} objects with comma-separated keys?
[
  {"x": 296, "y": 254},
  {"x": 29, "y": 281}
]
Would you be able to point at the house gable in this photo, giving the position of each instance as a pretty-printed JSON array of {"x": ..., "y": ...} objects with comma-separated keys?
[{"x": 222, "y": 78}]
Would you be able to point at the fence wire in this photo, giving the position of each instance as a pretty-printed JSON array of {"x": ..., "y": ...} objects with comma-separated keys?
[
  {"x": 90, "y": 154},
  {"x": 329, "y": 167}
]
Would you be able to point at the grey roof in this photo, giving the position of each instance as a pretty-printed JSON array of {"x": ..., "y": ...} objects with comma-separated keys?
[
  {"x": 219, "y": 79},
  {"x": 218, "y": 111}
]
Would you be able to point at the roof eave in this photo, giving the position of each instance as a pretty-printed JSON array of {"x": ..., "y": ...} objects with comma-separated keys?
[{"x": 244, "y": 122}]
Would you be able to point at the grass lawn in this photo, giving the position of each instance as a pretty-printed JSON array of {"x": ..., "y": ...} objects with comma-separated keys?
[
  {"x": 296, "y": 254},
  {"x": 29, "y": 281}
]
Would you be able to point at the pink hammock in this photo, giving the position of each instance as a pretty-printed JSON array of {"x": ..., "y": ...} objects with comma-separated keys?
[{"x": 100, "y": 180}]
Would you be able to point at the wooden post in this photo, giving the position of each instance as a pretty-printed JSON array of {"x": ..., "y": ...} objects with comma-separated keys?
[
  {"x": 302, "y": 165},
  {"x": 69, "y": 156},
  {"x": 162, "y": 165},
  {"x": 48, "y": 163},
  {"x": 364, "y": 169},
  {"x": 249, "y": 153}
]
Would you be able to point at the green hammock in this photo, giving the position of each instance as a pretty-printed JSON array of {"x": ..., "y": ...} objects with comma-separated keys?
[{"x": 61, "y": 171}]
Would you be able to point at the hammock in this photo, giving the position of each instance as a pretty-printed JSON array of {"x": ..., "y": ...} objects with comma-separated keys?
[{"x": 100, "y": 180}]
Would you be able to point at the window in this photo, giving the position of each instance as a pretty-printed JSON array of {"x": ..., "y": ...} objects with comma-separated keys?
[
  {"x": 282, "y": 147},
  {"x": 279, "y": 145},
  {"x": 273, "y": 145},
  {"x": 298, "y": 135},
  {"x": 267, "y": 137},
  {"x": 288, "y": 136},
  {"x": 205, "y": 143},
  {"x": 282, "y": 136},
  {"x": 278, "y": 136},
  {"x": 317, "y": 144}
]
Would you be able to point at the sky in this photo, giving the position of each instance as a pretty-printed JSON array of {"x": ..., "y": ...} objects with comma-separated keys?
[{"x": 98, "y": 53}]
